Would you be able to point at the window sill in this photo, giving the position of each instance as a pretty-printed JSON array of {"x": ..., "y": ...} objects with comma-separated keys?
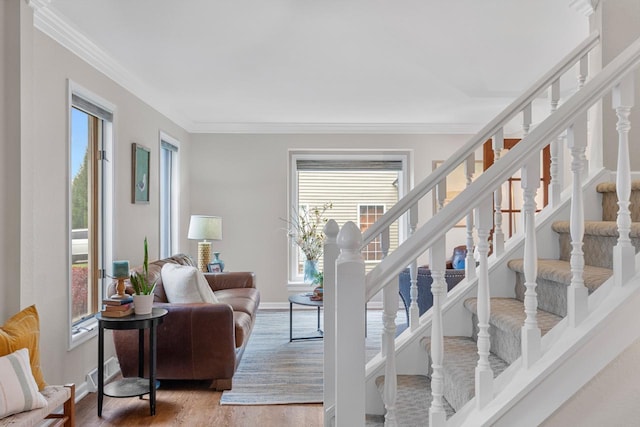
[
  {"x": 297, "y": 287},
  {"x": 83, "y": 332}
]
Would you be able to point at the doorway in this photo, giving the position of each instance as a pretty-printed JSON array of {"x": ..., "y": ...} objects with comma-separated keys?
[{"x": 512, "y": 190}]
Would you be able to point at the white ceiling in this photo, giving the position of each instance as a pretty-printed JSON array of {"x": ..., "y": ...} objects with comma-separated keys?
[{"x": 251, "y": 65}]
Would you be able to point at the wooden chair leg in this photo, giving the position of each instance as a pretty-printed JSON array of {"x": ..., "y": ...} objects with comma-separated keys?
[
  {"x": 70, "y": 407},
  {"x": 68, "y": 416}
]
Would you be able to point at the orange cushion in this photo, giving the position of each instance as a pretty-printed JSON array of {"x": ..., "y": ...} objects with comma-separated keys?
[{"x": 23, "y": 331}]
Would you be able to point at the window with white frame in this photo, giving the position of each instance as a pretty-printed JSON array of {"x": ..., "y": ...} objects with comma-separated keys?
[
  {"x": 168, "y": 195},
  {"x": 90, "y": 206},
  {"x": 347, "y": 180},
  {"x": 367, "y": 216}
]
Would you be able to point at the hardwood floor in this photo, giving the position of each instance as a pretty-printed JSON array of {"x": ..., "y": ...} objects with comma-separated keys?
[{"x": 191, "y": 403}]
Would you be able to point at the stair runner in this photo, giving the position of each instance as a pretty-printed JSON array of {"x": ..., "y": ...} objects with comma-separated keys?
[{"x": 507, "y": 314}]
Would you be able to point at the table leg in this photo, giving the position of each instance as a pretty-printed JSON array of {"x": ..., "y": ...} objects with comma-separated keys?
[
  {"x": 152, "y": 369},
  {"x": 100, "y": 368},
  {"x": 140, "y": 355},
  {"x": 318, "y": 319},
  {"x": 290, "y": 322}
]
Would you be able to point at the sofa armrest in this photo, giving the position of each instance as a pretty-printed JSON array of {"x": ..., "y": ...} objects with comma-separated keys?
[
  {"x": 220, "y": 281},
  {"x": 195, "y": 341}
]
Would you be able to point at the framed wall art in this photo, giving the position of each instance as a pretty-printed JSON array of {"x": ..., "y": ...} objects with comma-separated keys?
[{"x": 140, "y": 157}]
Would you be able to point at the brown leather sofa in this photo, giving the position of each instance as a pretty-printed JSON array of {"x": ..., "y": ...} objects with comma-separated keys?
[{"x": 197, "y": 341}]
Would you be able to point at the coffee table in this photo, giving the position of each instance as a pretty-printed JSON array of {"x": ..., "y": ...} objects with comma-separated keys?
[{"x": 303, "y": 299}]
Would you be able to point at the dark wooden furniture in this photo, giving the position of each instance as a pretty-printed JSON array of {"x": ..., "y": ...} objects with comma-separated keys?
[{"x": 130, "y": 387}]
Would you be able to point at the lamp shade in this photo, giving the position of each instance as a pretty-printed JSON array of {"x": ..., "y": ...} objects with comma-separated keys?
[{"x": 205, "y": 227}]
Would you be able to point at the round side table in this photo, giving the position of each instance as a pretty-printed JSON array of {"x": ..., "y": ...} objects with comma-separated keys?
[{"x": 130, "y": 387}]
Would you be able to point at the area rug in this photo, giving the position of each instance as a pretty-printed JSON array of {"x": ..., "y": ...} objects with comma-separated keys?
[{"x": 275, "y": 371}]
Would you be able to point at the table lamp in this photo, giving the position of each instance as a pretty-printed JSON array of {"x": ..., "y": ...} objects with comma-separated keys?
[{"x": 204, "y": 227}]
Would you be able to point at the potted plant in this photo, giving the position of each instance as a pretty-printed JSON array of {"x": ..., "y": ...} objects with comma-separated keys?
[
  {"x": 306, "y": 229},
  {"x": 143, "y": 298},
  {"x": 318, "y": 291}
]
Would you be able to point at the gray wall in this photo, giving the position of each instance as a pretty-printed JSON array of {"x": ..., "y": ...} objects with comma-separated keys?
[
  {"x": 619, "y": 23},
  {"x": 243, "y": 178},
  {"x": 34, "y": 182}
]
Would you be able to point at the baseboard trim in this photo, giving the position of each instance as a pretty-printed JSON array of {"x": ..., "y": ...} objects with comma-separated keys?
[{"x": 90, "y": 385}]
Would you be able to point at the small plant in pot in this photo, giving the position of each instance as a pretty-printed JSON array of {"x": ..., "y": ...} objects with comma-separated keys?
[
  {"x": 318, "y": 291},
  {"x": 143, "y": 298}
]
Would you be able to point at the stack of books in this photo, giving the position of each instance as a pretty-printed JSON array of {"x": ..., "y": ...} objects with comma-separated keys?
[{"x": 117, "y": 307}]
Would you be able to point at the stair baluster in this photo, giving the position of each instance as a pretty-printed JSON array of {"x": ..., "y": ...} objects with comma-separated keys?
[
  {"x": 385, "y": 243},
  {"x": 330, "y": 254},
  {"x": 531, "y": 333},
  {"x": 526, "y": 120},
  {"x": 624, "y": 252},
  {"x": 390, "y": 301},
  {"x": 498, "y": 234},
  {"x": 469, "y": 262},
  {"x": 414, "y": 310},
  {"x": 583, "y": 68},
  {"x": 350, "y": 301},
  {"x": 441, "y": 193},
  {"x": 577, "y": 293},
  {"x": 484, "y": 374},
  {"x": 557, "y": 152},
  {"x": 437, "y": 415}
]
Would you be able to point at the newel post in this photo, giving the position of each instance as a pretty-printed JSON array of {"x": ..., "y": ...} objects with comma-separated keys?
[
  {"x": 330, "y": 254},
  {"x": 350, "y": 335}
]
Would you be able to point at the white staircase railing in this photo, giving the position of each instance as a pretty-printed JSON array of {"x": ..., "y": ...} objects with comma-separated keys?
[{"x": 351, "y": 287}]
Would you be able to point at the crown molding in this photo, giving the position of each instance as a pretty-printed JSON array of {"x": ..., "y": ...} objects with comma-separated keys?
[
  {"x": 586, "y": 7},
  {"x": 336, "y": 128},
  {"x": 56, "y": 27}
]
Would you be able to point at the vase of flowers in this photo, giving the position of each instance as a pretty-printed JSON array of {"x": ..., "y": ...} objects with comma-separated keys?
[
  {"x": 310, "y": 270},
  {"x": 306, "y": 229}
]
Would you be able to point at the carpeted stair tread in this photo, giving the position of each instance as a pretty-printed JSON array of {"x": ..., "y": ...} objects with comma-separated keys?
[
  {"x": 460, "y": 360},
  {"x": 610, "y": 200},
  {"x": 413, "y": 400},
  {"x": 599, "y": 238},
  {"x": 597, "y": 228},
  {"x": 506, "y": 320},
  {"x": 610, "y": 187},
  {"x": 560, "y": 271}
]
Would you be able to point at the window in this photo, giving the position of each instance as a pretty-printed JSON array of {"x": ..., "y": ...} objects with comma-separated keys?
[
  {"x": 168, "y": 195},
  {"x": 367, "y": 216},
  {"x": 90, "y": 123},
  {"x": 350, "y": 181}
]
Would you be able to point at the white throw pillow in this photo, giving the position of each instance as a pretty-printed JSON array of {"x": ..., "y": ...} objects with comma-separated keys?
[
  {"x": 185, "y": 284},
  {"x": 18, "y": 389}
]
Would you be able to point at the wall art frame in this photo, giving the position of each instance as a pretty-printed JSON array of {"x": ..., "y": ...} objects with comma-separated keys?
[{"x": 140, "y": 178}]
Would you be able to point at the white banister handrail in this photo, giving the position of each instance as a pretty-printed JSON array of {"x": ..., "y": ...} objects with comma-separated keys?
[
  {"x": 444, "y": 220},
  {"x": 485, "y": 133}
]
